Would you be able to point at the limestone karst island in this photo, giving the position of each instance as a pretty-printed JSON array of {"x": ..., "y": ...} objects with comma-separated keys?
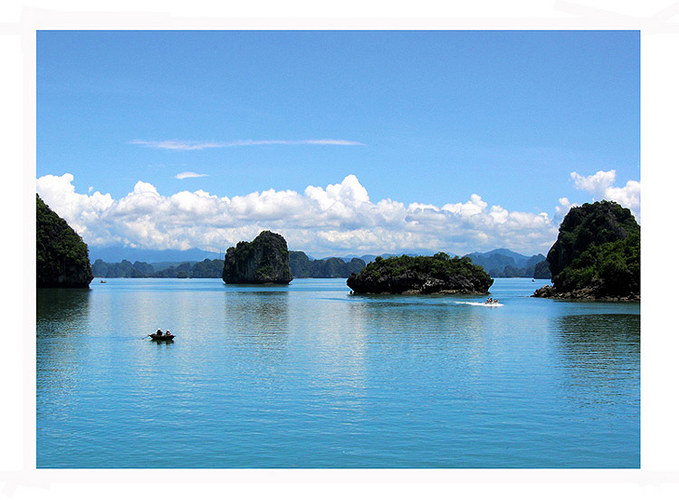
[
  {"x": 62, "y": 259},
  {"x": 421, "y": 275},
  {"x": 596, "y": 255},
  {"x": 264, "y": 260}
]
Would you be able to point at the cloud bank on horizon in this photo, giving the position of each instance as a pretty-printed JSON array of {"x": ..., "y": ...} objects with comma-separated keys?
[{"x": 339, "y": 219}]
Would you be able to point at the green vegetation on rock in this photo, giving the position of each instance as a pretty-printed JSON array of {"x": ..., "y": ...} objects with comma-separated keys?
[
  {"x": 426, "y": 275},
  {"x": 596, "y": 255},
  {"x": 542, "y": 270},
  {"x": 62, "y": 259},
  {"x": 264, "y": 260}
]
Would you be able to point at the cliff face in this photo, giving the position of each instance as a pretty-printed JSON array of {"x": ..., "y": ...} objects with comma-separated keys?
[
  {"x": 596, "y": 255},
  {"x": 421, "y": 275},
  {"x": 264, "y": 260},
  {"x": 61, "y": 255}
]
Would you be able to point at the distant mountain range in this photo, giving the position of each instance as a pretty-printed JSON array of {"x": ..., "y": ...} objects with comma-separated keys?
[
  {"x": 370, "y": 257},
  {"x": 118, "y": 254},
  {"x": 167, "y": 257},
  {"x": 503, "y": 263},
  {"x": 499, "y": 263},
  {"x": 302, "y": 266}
]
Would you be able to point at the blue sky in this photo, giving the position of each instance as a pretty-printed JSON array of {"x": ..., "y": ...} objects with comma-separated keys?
[{"x": 427, "y": 119}]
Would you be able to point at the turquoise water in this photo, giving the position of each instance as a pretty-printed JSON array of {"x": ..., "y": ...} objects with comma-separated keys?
[{"x": 307, "y": 375}]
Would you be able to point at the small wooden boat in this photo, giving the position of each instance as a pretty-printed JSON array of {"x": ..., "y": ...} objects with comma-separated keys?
[{"x": 161, "y": 336}]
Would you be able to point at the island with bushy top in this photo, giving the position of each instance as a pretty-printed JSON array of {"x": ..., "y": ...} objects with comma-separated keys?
[
  {"x": 596, "y": 256},
  {"x": 437, "y": 274},
  {"x": 265, "y": 259}
]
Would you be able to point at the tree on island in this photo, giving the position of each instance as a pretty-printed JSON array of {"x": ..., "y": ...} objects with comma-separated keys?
[{"x": 597, "y": 254}]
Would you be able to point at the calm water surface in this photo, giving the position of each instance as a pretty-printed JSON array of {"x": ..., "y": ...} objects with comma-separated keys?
[{"x": 307, "y": 375}]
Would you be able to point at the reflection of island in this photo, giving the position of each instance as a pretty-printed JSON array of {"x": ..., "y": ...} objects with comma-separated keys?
[
  {"x": 59, "y": 309},
  {"x": 62, "y": 316},
  {"x": 261, "y": 315},
  {"x": 600, "y": 353},
  {"x": 408, "y": 322}
]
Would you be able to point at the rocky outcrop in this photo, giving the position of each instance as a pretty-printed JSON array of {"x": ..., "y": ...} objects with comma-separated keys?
[
  {"x": 62, "y": 259},
  {"x": 439, "y": 274},
  {"x": 264, "y": 260},
  {"x": 585, "y": 294},
  {"x": 596, "y": 255}
]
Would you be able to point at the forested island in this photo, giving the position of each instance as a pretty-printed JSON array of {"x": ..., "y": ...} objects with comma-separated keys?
[
  {"x": 62, "y": 259},
  {"x": 263, "y": 260},
  {"x": 596, "y": 256},
  {"x": 438, "y": 274}
]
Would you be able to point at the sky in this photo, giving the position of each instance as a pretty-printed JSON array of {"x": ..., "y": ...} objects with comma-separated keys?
[{"x": 345, "y": 142}]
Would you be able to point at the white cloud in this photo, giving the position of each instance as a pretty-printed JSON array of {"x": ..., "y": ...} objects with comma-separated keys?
[
  {"x": 562, "y": 209},
  {"x": 337, "y": 219},
  {"x": 179, "y": 145},
  {"x": 596, "y": 183},
  {"x": 188, "y": 175},
  {"x": 600, "y": 185}
]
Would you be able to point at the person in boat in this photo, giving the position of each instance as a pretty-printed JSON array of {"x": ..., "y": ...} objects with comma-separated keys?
[
  {"x": 159, "y": 332},
  {"x": 167, "y": 333},
  {"x": 495, "y": 301}
]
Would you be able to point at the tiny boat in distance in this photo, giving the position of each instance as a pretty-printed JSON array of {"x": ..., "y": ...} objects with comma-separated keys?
[{"x": 161, "y": 336}]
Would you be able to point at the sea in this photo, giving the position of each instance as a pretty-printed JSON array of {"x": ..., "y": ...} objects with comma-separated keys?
[{"x": 308, "y": 375}]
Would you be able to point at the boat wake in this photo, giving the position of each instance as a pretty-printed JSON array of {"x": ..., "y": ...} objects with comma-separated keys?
[{"x": 481, "y": 304}]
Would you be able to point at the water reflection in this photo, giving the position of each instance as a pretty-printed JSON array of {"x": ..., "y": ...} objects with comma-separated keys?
[
  {"x": 420, "y": 337},
  {"x": 307, "y": 375},
  {"x": 61, "y": 313},
  {"x": 336, "y": 367},
  {"x": 62, "y": 319},
  {"x": 261, "y": 316},
  {"x": 59, "y": 310},
  {"x": 599, "y": 353},
  {"x": 431, "y": 323}
]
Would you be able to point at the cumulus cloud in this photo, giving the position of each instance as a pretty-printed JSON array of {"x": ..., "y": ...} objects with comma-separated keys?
[
  {"x": 336, "y": 219},
  {"x": 600, "y": 185},
  {"x": 562, "y": 209},
  {"x": 188, "y": 175},
  {"x": 198, "y": 145}
]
